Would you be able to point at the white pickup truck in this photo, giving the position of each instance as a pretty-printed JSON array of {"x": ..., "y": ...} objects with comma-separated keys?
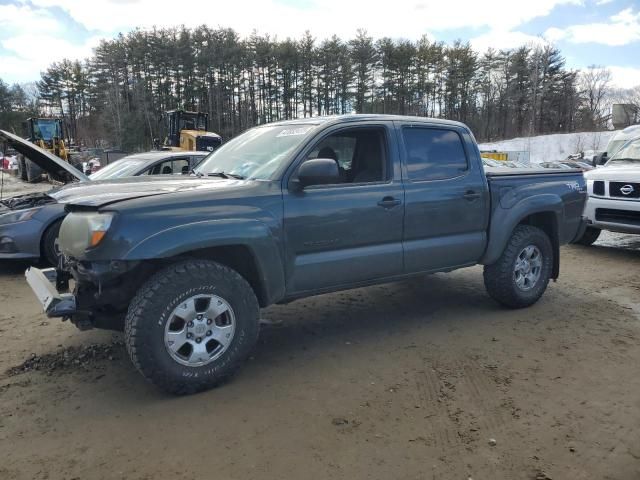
[{"x": 614, "y": 194}]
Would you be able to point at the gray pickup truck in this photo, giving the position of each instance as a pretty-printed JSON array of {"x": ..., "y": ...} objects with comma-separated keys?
[{"x": 294, "y": 209}]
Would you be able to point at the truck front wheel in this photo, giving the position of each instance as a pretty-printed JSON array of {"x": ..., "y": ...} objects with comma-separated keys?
[
  {"x": 191, "y": 325},
  {"x": 521, "y": 274}
]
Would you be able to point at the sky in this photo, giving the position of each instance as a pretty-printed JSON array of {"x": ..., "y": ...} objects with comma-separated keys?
[{"x": 34, "y": 33}]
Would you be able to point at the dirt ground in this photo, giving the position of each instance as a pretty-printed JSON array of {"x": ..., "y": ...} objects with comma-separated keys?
[
  {"x": 425, "y": 379},
  {"x": 11, "y": 186}
]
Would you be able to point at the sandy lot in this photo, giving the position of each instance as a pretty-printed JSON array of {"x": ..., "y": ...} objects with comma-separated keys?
[
  {"x": 404, "y": 381},
  {"x": 12, "y": 186}
]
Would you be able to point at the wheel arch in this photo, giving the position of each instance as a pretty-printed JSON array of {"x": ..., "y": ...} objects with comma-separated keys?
[
  {"x": 246, "y": 246},
  {"x": 541, "y": 211}
]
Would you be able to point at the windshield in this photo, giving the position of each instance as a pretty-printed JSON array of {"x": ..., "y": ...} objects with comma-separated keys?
[
  {"x": 125, "y": 167},
  {"x": 629, "y": 153},
  {"x": 46, "y": 129},
  {"x": 257, "y": 153}
]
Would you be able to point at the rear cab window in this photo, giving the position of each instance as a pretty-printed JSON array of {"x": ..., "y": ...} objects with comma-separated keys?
[{"x": 433, "y": 153}]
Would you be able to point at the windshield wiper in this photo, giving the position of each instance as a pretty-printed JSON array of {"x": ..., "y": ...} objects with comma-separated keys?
[{"x": 225, "y": 175}]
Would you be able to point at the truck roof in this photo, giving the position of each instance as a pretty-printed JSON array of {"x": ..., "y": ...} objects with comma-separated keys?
[{"x": 355, "y": 117}]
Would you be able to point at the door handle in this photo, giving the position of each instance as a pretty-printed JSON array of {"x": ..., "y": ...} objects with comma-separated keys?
[
  {"x": 471, "y": 195},
  {"x": 389, "y": 202}
]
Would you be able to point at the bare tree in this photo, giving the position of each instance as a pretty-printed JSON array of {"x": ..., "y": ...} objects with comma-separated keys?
[{"x": 595, "y": 86}]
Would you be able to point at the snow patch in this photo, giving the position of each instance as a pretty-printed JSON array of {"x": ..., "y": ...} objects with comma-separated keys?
[{"x": 555, "y": 147}]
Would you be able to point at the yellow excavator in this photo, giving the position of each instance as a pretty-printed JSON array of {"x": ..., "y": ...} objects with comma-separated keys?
[
  {"x": 47, "y": 133},
  {"x": 188, "y": 131}
]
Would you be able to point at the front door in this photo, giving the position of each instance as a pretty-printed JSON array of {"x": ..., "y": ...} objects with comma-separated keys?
[{"x": 351, "y": 231}]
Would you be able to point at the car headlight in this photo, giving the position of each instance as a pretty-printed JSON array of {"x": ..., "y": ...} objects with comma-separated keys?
[
  {"x": 19, "y": 216},
  {"x": 83, "y": 230},
  {"x": 98, "y": 224}
]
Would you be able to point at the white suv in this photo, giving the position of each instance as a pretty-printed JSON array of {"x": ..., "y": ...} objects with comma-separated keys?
[{"x": 614, "y": 194}]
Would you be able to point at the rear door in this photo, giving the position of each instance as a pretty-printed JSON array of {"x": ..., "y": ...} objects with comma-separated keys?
[
  {"x": 446, "y": 195},
  {"x": 349, "y": 232}
]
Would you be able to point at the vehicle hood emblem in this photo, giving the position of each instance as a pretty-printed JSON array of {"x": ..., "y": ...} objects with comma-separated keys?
[{"x": 626, "y": 189}]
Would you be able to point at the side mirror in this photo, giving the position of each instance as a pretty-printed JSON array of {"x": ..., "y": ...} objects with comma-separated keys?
[
  {"x": 600, "y": 159},
  {"x": 318, "y": 171}
]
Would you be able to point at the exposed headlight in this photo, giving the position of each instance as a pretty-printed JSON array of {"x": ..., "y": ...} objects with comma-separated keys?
[
  {"x": 99, "y": 224},
  {"x": 19, "y": 216},
  {"x": 82, "y": 230}
]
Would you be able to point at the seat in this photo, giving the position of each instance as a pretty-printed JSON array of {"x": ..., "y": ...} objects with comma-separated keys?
[
  {"x": 368, "y": 162},
  {"x": 166, "y": 170},
  {"x": 328, "y": 152}
]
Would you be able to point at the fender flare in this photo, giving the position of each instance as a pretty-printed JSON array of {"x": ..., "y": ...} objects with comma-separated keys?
[
  {"x": 507, "y": 217},
  {"x": 254, "y": 235}
]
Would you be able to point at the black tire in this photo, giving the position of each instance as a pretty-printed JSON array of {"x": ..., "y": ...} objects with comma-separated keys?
[
  {"x": 48, "y": 248},
  {"x": 152, "y": 307},
  {"x": 34, "y": 172},
  {"x": 22, "y": 168},
  {"x": 589, "y": 236},
  {"x": 499, "y": 278}
]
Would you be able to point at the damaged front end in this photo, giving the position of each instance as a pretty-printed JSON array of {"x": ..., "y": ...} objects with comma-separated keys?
[
  {"x": 23, "y": 202},
  {"x": 89, "y": 294}
]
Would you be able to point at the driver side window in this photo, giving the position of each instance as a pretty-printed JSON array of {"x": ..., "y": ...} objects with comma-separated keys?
[{"x": 359, "y": 152}]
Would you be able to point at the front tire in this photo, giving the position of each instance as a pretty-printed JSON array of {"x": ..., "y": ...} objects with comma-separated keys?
[
  {"x": 521, "y": 274},
  {"x": 50, "y": 252},
  {"x": 191, "y": 325},
  {"x": 589, "y": 236}
]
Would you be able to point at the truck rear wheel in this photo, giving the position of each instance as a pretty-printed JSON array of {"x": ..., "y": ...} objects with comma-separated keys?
[
  {"x": 191, "y": 325},
  {"x": 521, "y": 274},
  {"x": 589, "y": 236}
]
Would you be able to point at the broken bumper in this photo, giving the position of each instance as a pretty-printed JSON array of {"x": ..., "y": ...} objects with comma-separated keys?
[{"x": 43, "y": 284}]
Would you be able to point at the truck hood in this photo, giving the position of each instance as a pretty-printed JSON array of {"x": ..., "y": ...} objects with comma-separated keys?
[
  {"x": 625, "y": 172},
  {"x": 54, "y": 166},
  {"x": 97, "y": 194}
]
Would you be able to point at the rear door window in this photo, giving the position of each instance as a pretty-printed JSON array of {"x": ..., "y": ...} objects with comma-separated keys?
[{"x": 433, "y": 153}]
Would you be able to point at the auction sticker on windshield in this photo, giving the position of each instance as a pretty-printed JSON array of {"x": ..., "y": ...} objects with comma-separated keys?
[{"x": 289, "y": 132}]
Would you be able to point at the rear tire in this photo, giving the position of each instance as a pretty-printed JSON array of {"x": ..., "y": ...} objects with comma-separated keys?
[
  {"x": 22, "y": 168},
  {"x": 49, "y": 248},
  {"x": 34, "y": 172},
  {"x": 589, "y": 236},
  {"x": 521, "y": 274},
  {"x": 165, "y": 315}
]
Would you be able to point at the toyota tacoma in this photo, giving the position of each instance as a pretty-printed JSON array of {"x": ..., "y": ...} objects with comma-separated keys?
[{"x": 294, "y": 209}]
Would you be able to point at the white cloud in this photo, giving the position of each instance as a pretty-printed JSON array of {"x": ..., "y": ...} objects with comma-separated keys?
[
  {"x": 554, "y": 34},
  {"x": 622, "y": 29},
  {"x": 405, "y": 18},
  {"x": 500, "y": 39},
  {"x": 45, "y": 48},
  {"x": 625, "y": 77},
  {"x": 22, "y": 19}
]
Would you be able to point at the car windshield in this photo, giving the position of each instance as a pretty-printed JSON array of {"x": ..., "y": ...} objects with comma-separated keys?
[
  {"x": 257, "y": 153},
  {"x": 614, "y": 146},
  {"x": 629, "y": 153},
  {"x": 125, "y": 167}
]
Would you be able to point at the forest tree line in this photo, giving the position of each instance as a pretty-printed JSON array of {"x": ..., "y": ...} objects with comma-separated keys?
[{"x": 118, "y": 96}]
